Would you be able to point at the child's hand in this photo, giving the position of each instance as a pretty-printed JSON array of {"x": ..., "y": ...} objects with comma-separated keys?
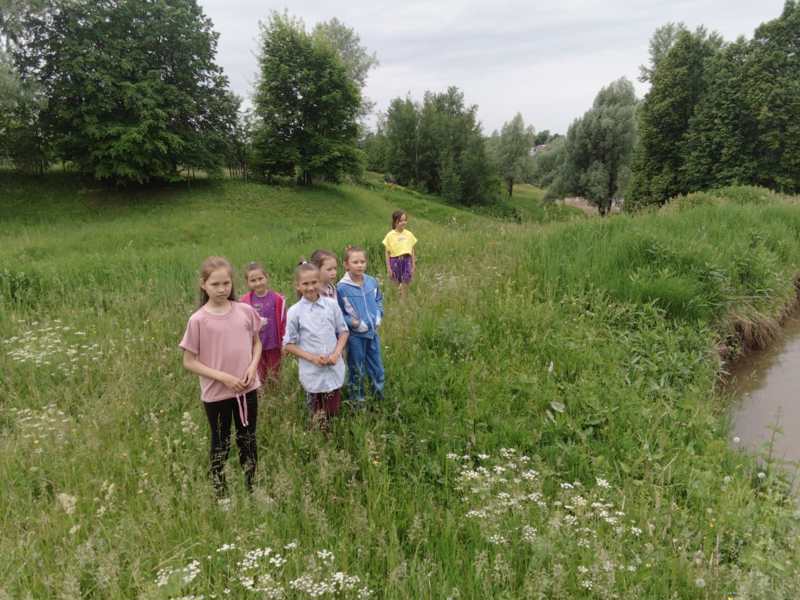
[
  {"x": 236, "y": 384},
  {"x": 250, "y": 375},
  {"x": 319, "y": 360},
  {"x": 333, "y": 358}
]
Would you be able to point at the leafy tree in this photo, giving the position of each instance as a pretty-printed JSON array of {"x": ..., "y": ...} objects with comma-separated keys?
[
  {"x": 132, "y": 91},
  {"x": 402, "y": 122},
  {"x": 542, "y": 137},
  {"x": 22, "y": 138},
  {"x": 599, "y": 147},
  {"x": 356, "y": 59},
  {"x": 660, "y": 44},
  {"x": 239, "y": 149},
  {"x": 546, "y": 164},
  {"x": 306, "y": 105},
  {"x": 720, "y": 145},
  {"x": 678, "y": 82},
  {"x": 772, "y": 92},
  {"x": 375, "y": 145},
  {"x": 513, "y": 151},
  {"x": 439, "y": 147}
]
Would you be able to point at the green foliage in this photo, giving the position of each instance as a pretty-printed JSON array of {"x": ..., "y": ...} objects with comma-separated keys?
[
  {"x": 512, "y": 152},
  {"x": 662, "y": 41},
  {"x": 547, "y": 163},
  {"x": 772, "y": 78},
  {"x": 356, "y": 59},
  {"x": 438, "y": 146},
  {"x": 375, "y": 146},
  {"x": 598, "y": 147},
  {"x": 132, "y": 91},
  {"x": 306, "y": 105},
  {"x": 543, "y": 137},
  {"x": 721, "y": 114},
  {"x": 22, "y": 139},
  {"x": 720, "y": 145},
  {"x": 402, "y": 121},
  {"x": 677, "y": 85}
]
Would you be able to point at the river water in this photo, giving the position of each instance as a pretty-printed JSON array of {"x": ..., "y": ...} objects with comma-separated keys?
[{"x": 768, "y": 384}]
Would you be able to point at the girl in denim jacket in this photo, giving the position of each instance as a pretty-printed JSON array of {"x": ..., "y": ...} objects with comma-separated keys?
[{"x": 361, "y": 302}]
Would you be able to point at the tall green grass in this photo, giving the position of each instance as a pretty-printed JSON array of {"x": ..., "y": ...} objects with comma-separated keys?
[{"x": 551, "y": 428}]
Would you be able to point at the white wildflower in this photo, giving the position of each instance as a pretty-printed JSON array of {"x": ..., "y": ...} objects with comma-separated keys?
[{"x": 67, "y": 502}]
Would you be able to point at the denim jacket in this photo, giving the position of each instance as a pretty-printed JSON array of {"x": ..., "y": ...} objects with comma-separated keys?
[{"x": 361, "y": 302}]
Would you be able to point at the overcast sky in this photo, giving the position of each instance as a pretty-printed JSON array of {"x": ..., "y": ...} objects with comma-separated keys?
[{"x": 546, "y": 61}]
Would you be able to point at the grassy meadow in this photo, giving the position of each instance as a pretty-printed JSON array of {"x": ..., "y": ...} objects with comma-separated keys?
[{"x": 553, "y": 426}]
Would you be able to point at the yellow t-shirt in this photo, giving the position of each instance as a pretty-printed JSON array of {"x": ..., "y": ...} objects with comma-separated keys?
[{"x": 399, "y": 243}]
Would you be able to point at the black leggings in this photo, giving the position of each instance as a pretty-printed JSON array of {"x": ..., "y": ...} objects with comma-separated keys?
[{"x": 219, "y": 416}]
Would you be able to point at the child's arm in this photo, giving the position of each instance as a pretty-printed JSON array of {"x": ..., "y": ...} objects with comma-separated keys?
[
  {"x": 379, "y": 302},
  {"x": 300, "y": 353},
  {"x": 349, "y": 313},
  {"x": 334, "y": 356},
  {"x": 388, "y": 264},
  {"x": 413, "y": 260},
  {"x": 342, "y": 334},
  {"x": 193, "y": 364},
  {"x": 252, "y": 369}
]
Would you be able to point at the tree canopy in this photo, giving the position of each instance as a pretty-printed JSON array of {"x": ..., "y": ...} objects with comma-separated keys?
[
  {"x": 438, "y": 146},
  {"x": 306, "y": 106},
  {"x": 598, "y": 147},
  {"x": 722, "y": 113},
  {"x": 131, "y": 89},
  {"x": 512, "y": 151},
  {"x": 357, "y": 60}
]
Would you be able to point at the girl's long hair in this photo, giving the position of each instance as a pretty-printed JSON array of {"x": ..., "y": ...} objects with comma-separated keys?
[{"x": 211, "y": 264}]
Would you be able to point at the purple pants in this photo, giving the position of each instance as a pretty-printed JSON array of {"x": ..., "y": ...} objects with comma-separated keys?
[{"x": 401, "y": 268}]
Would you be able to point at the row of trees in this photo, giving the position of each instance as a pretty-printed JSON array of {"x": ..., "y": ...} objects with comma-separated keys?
[
  {"x": 437, "y": 145},
  {"x": 129, "y": 91},
  {"x": 716, "y": 114},
  {"x": 720, "y": 113}
]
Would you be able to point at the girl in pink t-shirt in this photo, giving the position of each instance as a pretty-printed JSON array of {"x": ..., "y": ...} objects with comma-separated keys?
[{"x": 222, "y": 345}]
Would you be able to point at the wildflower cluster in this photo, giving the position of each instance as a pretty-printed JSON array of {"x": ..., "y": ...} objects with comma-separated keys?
[
  {"x": 266, "y": 573},
  {"x": 41, "y": 427},
  {"x": 54, "y": 346},
  {"x": 505, "y": 496}
]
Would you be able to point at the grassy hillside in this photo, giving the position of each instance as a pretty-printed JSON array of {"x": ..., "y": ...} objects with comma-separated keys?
[{"x": 551, "y": 428}]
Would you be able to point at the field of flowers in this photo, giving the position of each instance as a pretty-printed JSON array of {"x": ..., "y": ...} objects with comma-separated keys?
[{"x": 553, "y": 426}]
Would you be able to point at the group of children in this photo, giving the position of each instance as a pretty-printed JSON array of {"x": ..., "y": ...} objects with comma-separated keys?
[{"x": 236, "y": 346}]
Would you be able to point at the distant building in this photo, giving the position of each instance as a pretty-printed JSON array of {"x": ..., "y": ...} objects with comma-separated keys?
[{"x": 540, "y": 148}]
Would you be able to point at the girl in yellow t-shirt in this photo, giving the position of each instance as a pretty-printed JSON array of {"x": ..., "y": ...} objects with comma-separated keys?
[{"x": 401, "y": 258}]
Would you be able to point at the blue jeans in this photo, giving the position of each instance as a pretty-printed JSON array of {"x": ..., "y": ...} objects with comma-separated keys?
[{"x": 364, "y": 357}]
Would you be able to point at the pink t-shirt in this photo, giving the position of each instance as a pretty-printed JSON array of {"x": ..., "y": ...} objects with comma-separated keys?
[{"x": 222, "y": 342}]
